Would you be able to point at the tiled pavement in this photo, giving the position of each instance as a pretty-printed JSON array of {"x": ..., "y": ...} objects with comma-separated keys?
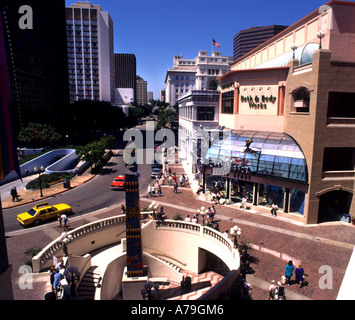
[{"x": 275, "y": 240}]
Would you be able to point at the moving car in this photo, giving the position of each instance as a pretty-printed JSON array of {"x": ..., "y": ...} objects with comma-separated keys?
[
  {"x": 156, "y": 172},
  {"x": 156, "y": 164},
  {"x": 42, "y": 212},
  {"x": 118, "y": 183}
]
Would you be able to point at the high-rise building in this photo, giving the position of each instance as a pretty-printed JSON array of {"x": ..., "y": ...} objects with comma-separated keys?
[
  {"x": 246, "y": 40},
  {"x": 90, "y": 52},
  {"x": 142, "y": 97},
  {"x": 36, "y": 51},
  {"x": 126, "y": 72}
]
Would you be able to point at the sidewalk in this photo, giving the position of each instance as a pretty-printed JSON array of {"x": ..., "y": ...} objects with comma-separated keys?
[
  {"x": 27, "y": 196},
  {"x": 274, "y": 240}
]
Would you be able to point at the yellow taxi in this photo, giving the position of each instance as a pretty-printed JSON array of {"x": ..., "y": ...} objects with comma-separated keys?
[{"x": 42, "y": 212}]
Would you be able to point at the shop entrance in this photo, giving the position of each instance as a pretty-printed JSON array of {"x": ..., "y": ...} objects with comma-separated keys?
[{"x": 334, "y": 206}]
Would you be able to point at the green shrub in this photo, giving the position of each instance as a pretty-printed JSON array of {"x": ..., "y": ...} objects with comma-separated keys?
[{"x": 49, "y": 179}]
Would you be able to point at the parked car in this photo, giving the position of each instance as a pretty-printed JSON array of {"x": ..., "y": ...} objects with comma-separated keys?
[
  {"x": 118, "y": 183},
  {"x": 43, "y": 212},
  {"x": 156, "y": 172}
]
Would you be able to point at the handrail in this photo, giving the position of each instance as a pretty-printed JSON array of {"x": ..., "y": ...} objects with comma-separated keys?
[{"x": 51, "y": 249}]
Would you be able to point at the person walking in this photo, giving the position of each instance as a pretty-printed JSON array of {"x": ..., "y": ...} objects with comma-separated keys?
[
  {"x": 59, "y": 218},
  {"x": 299, "y": 273},
  {"x": 123, "y": 209},
  {"x": 274, "y": 208},
  {"x": 64, "y": 221},
  {"x": 288, "y": 272},
  {"x": 14, "y": 194},
  {"x": 175, "y": 186},
  {"x": 159, "y": 190}
]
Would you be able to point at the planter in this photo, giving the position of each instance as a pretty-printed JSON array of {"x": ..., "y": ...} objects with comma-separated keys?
[{"x": 353, "y": 221}]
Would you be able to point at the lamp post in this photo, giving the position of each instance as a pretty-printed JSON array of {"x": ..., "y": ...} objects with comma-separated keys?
[
  {"x": 294, "y": 47},
  {"x": 154, "y": 206},
  {"x": 235, "y": 232},
  {"x": 203, "y": 213},
  {"x": 320, "y": 35},
  {"x": 41, "y": 169}
]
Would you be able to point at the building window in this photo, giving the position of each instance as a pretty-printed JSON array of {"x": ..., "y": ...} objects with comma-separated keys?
[
  {"x": 300, "y": 100},
  {"x": 339, "y": 159},
  {"x": 227, "y": 102},
  {"x": 205, "y": 113},
  {"x": 340, "y": 104}
]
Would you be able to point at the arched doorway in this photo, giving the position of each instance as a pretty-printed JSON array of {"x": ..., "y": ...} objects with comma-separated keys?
[{"x": 333, "y": 205}]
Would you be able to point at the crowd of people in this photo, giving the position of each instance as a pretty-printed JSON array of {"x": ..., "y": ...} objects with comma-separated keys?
[{"x": 58, "y": 272}]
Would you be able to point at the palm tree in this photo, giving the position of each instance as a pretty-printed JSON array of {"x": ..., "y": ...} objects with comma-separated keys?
[{"x": 165, "y": 116}]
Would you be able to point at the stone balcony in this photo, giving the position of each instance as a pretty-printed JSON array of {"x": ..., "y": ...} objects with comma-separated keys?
[{"x": 170, "y": 251}]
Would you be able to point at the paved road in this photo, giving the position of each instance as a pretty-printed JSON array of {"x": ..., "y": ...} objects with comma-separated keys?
[{"x": 91, "y": 196}]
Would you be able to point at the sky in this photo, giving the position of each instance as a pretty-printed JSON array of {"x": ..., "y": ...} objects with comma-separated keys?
[{"x": 157, "y": 30}]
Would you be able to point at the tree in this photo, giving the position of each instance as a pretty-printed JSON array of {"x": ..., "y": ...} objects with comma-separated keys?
[
  {"x": 38, "y": 135},
  {"x": 165, "y": 116},
  {"x": 93, "y": 152}
]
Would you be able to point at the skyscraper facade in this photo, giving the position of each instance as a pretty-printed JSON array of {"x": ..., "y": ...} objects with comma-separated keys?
[
  {"x": 126, "y": 72},
  {"x": 36, "y": 51},
  {"x": 246, "y": 40},
  {"x": 142, "y": 97},
  {"x": 90, "y": 52}
]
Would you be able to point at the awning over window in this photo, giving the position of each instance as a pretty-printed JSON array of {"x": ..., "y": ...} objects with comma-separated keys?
[{"x": 271, "y": 154}]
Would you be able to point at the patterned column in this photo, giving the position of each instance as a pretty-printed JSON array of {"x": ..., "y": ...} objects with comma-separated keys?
[{"x": 133, "y": 224}]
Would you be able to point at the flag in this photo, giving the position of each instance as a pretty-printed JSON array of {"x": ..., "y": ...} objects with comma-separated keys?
[
  {"x": 8, "y": 152},
  {"x": 215, "y": 43}
]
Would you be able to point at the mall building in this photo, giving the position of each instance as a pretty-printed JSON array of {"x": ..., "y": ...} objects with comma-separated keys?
[{"x": 287, "y": 109}]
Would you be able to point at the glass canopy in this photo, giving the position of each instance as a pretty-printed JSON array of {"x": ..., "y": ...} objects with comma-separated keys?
[{"x": 271, "y": 154}]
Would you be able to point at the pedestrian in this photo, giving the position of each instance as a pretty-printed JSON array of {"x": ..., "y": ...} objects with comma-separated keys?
[
  {"x": 272, "y": 290},
  {"x": 123, "y": 209},
  {"x": 51, "y": 276},
  {"x": 175, "y": 186},
  {"x": 274, "y": 208},
  {"x": 299, "y": 272},
  {"x": 64, "y": 220},
  {"x": 187, "y": 219},
  {"x": 181, "y": 181},
  {"x": 244, "y": 263},
  {"x": 159, "y": 190},
  {"x": 170, "y": 180},
  {"x": 149, "y": 191},
  {"x": 213, "y": 212},
  {"x": 59, "y": 218},
  {"x": 57, "y": 278},
  {"x": 14, "y": 194},
  {"x": 288, "y": 272},
  {"x": 218, "y": 197}
]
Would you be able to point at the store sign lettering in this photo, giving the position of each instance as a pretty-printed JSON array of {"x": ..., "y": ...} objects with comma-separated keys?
[{"x": 258, "y": 103}]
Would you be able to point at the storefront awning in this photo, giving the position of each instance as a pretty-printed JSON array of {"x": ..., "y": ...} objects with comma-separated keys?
[{"x": 271, "y": 154}]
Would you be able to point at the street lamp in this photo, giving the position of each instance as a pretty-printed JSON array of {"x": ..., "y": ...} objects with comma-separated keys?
[
  {"x": 154, "y": 206},
  {"x": 41, "y": 169},
  {"x": 203, "y": 214},
  {"x": 235, "y": 232},
  {"x": 66, "y": 238},
  {"x": 320, "y": 35},
  {"x": 294, "y": 47}
]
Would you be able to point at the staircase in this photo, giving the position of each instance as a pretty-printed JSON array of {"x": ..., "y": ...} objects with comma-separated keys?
[{"x": 89, "y": 283}]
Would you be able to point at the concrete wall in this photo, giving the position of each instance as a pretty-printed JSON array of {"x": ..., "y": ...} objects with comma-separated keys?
[{"x": 45, "y": 160}]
